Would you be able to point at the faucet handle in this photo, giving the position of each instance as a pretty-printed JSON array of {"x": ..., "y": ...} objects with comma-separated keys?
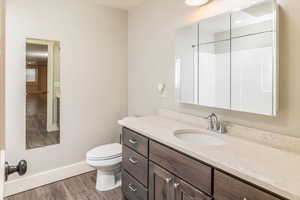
[
  {"x": 222, "y": 127},
  {"x": 212, "y": 126},
  {"x": 211, "y": 115},
  {"x": 210, "y": 123}
]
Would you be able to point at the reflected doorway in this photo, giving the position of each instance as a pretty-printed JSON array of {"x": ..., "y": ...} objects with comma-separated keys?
[{"x": 42, "y": 93}]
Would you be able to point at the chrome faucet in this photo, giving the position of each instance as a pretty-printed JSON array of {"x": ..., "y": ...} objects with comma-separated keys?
[
  {"x": 215, "y": 125},
  {"x": 213, "y": 122}
]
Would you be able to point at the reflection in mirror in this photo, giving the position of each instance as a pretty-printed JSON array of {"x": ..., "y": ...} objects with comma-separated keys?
[
  {"x": 214, "y": 29},
  {"x": 187, "y": 64},
  {"x": 42, "y": 93},
  {"x": 214, "y": 62},
  {"x": 252, "y": 74},
  {"x": 253, "y": 60},
  {"x": 234, "y": 64},
  {"x": 203, "y": 62},
  {"x": 214, "y": 74},
  {"x": 258, "y": 18}
]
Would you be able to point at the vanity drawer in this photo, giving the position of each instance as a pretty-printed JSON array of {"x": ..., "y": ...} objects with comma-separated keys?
[
  {"x": 135, "y": 164},
  {"x": 190, "y": 170},
  {"x": 131, "y": 189},
  {"x": 230, "y": 188},
  {"x": 135, "y": 141}
]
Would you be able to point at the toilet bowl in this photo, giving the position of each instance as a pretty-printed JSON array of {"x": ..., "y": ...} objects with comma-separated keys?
[{"x": 107, "y": 160}]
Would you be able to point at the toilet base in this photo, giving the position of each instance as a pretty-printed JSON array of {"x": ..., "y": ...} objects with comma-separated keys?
[{"x": 108, "y": 180}]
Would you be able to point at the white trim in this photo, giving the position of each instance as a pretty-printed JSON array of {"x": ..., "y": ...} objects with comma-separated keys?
[
  {"x": 52, "y": 128},
  {"x": 276, "y": 61},
  {"x": 44, "y": 178},
  {"x": 50, "y": 100}
]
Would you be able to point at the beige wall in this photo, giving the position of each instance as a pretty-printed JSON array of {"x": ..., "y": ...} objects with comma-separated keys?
[
  {"x": 151, "y": 60},
  {"x": 93, "y": 77}
]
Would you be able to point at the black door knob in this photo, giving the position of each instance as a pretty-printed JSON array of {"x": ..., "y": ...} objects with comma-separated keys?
[{"x": 21, "y": 168}]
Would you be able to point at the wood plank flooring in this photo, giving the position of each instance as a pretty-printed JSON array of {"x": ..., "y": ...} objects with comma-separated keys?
[
  {"x": 36, "y": 123},
  {"x": 80, "y": 187}
]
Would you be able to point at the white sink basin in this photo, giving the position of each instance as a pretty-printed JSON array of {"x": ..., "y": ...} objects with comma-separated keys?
[{"x": 198, "y": 138}]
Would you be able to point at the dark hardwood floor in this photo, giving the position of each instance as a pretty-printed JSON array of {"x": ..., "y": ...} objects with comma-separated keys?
[
  {"x": 80, "y": 187},
  {"x": 36, "y": 123}
]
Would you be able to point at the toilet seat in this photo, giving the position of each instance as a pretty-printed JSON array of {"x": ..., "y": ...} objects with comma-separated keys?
[
  {"x": 109, "y": 163},
  {"x": 105, "y": 152}
]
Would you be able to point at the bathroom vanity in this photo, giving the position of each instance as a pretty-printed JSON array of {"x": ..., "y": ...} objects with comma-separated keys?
[
  {"x": 157, "y": 172},
  {"x": 156, "y": 165}
]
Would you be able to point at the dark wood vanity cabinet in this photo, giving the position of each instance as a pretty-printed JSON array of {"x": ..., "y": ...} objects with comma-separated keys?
[
  {"x": 184, "y": 191},
  {"x": 189, "y": 169},
  {"x": 152, "y": 171},
  {"x": 230, "y": 188},
  {"x": 160, "y": 183},
  {"x": 165, "y": 186},
  {"x": 135, "y": 141},
  {"x": 132, "y": 189},
  {"x": 134, "y": 165}
]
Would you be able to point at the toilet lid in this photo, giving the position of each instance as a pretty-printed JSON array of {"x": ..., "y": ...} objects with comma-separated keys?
[{"x": 104, "y": 152}]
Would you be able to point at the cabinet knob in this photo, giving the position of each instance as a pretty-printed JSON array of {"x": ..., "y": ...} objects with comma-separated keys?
[
  {"x": 176, "y": 185},
  {"x": 132, "y": 188},
  {"x": 132, "y": 141}
]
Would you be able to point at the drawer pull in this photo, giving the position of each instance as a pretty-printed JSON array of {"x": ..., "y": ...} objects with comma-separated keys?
[
  {"x": 176, "y": 185},
  {"x": 132, "y": 188},
  {"x": 132, "y": 141},
  {"x": 133, "y": 161},
  {"x": 168, "y": 180},
  {"x": 244, "y": 198}
]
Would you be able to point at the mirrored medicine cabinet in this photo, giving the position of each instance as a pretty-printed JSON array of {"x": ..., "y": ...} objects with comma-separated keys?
[{"x": 230, "y": 61}]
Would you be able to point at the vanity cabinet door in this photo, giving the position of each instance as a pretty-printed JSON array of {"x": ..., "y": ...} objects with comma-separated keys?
[
  {"x": 160, "y": 183},
  {"x": 198, "y": 174},
  {"x": 185, "y": 191}
]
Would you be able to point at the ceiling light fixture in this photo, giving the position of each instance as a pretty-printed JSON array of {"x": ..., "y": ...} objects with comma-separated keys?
[{"x": 196, "y": 2}]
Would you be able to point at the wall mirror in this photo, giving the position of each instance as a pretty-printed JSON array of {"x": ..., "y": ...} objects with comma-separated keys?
[
  {"x": 42, "y": 93},
  {"x": 230, "y": 61}
]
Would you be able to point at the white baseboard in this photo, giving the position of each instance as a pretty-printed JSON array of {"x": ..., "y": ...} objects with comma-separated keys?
[{"x": 44, "y": 178}]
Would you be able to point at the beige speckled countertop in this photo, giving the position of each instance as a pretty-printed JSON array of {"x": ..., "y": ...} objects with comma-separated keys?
[{"x": 275, "y": 170}]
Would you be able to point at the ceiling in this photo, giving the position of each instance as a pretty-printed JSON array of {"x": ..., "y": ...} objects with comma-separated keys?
[{"x": 122, "y": 4}]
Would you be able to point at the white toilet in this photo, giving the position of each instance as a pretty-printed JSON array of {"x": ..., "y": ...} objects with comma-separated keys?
[{"x": 107, "y": 160}]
